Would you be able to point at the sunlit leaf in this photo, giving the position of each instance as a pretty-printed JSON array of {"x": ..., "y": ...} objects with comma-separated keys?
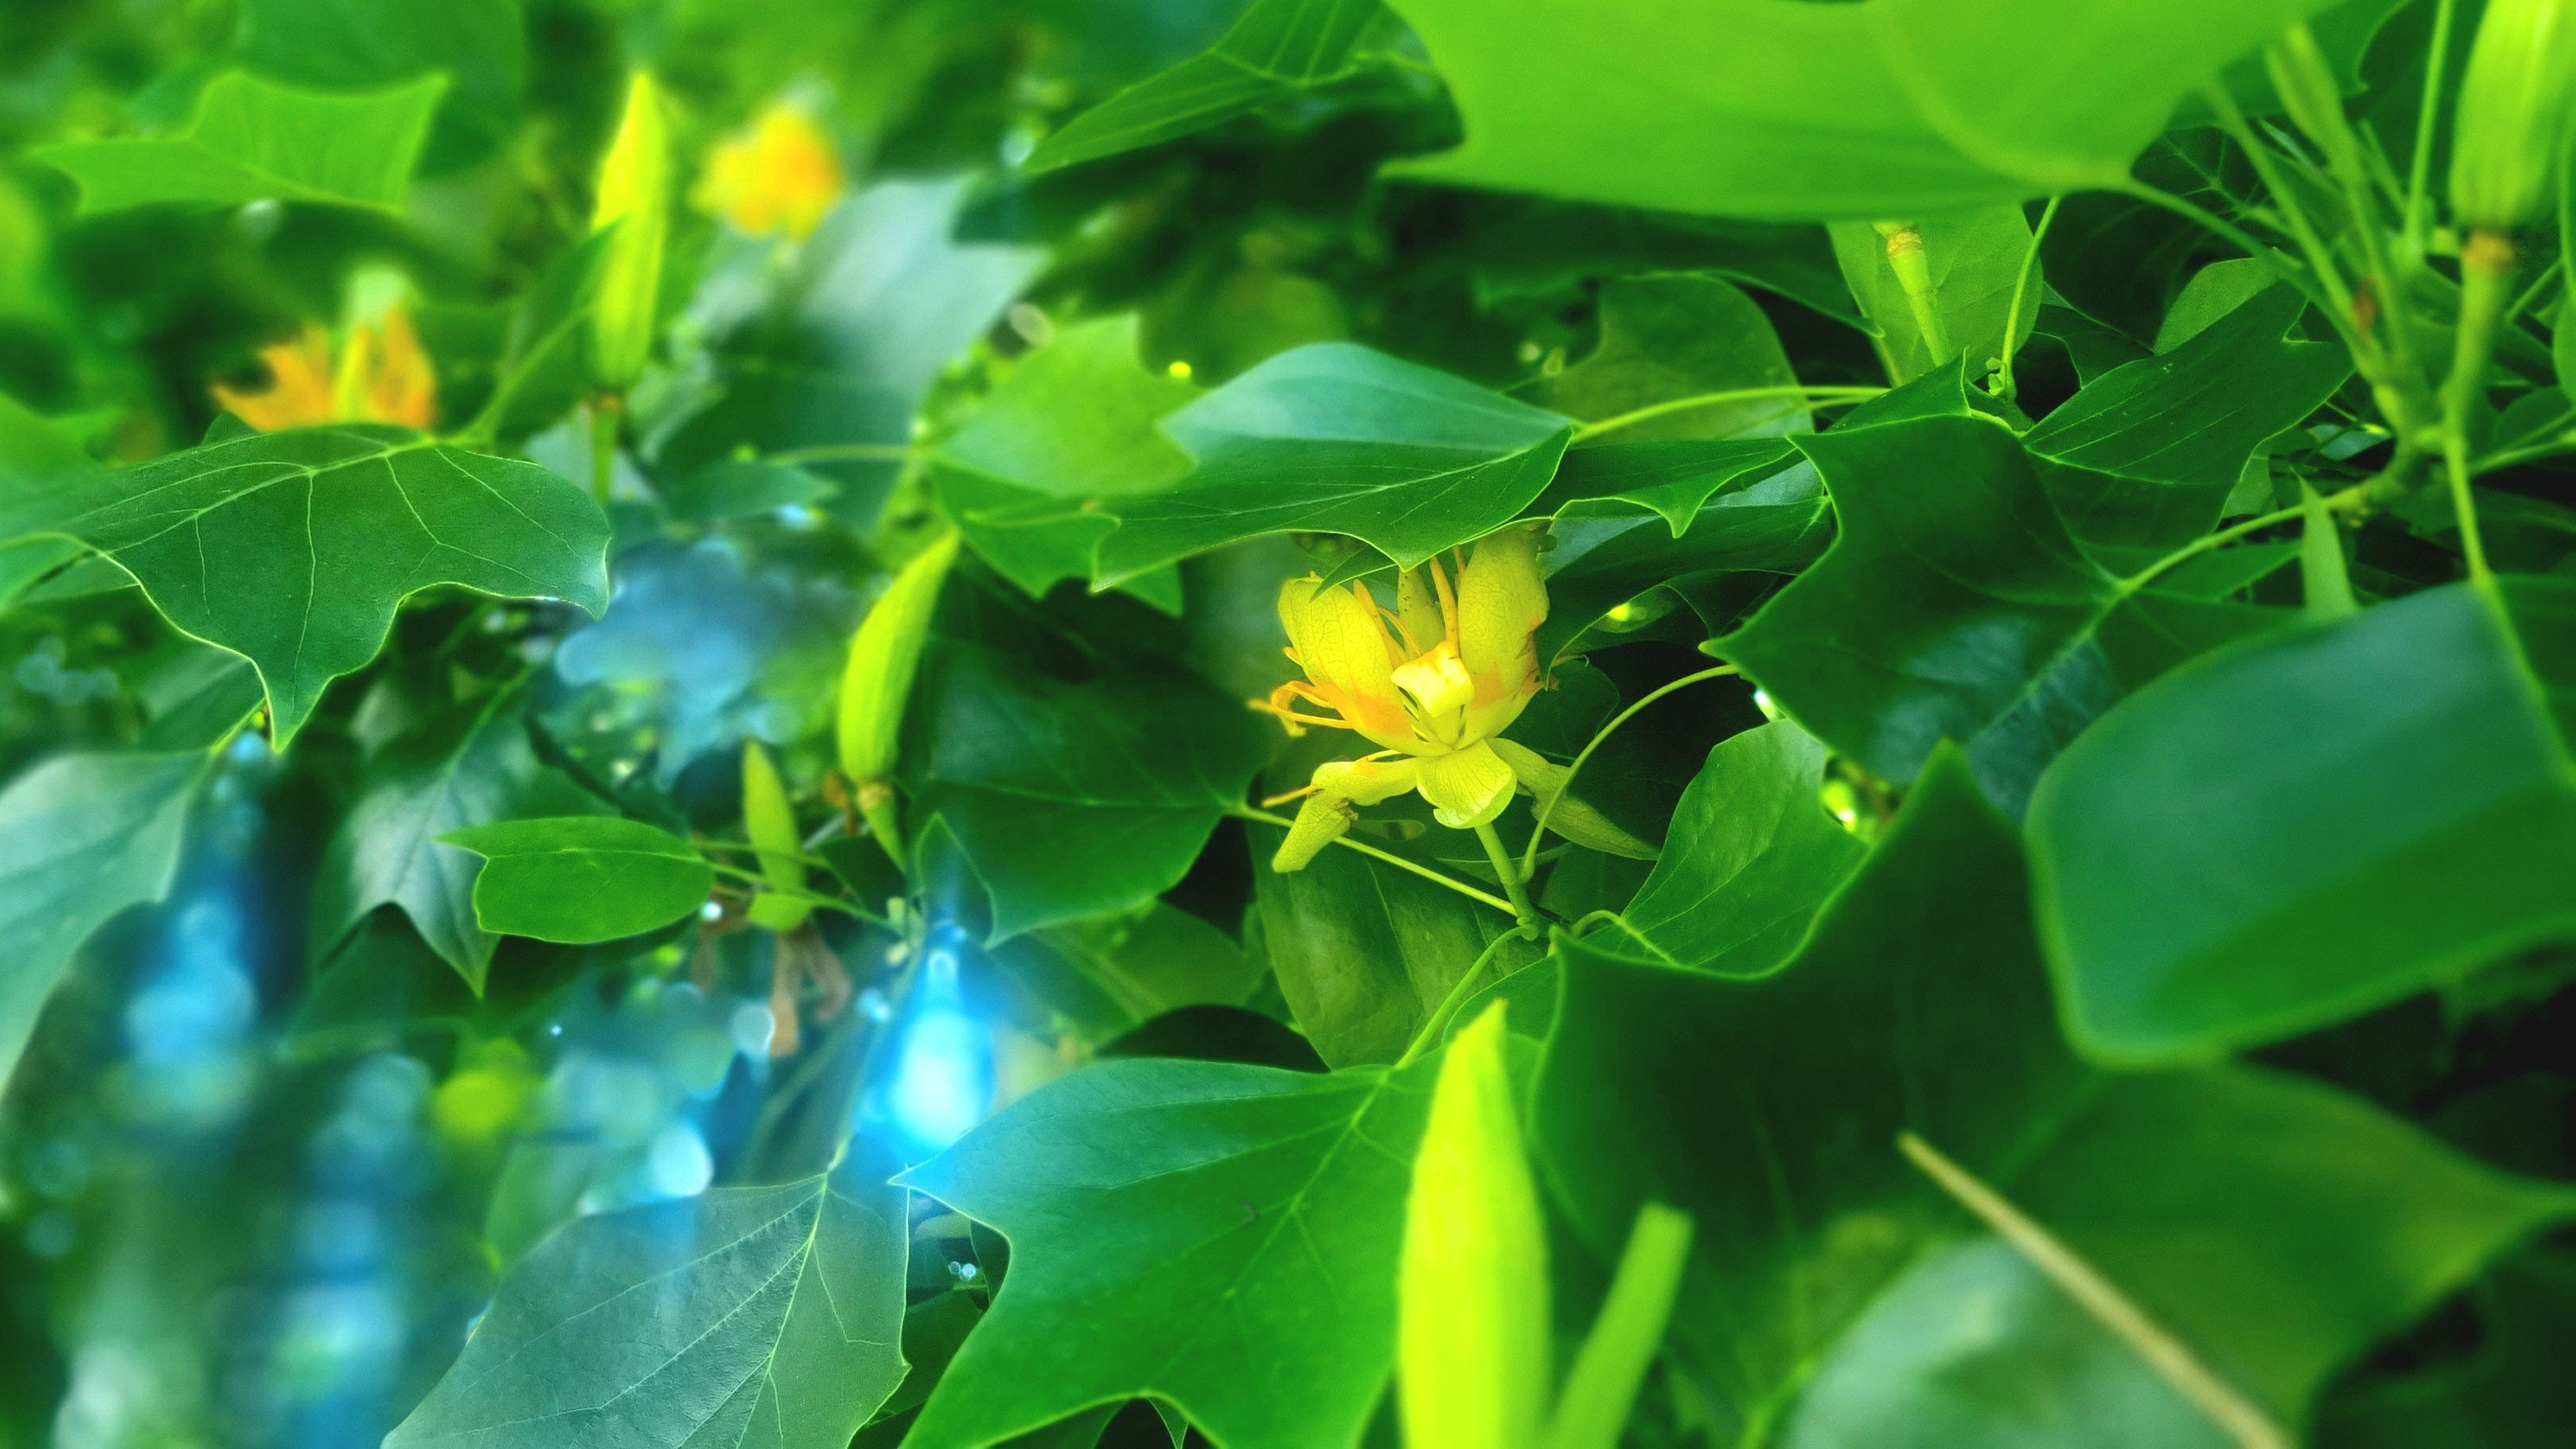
[
  {"x": 581, "y": 877},
  {"x": 254, "y": 140}
]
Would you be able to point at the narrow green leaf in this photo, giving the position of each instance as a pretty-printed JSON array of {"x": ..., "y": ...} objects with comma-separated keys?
[
  {"x": 82, "y": 837},
  {"x": 1473, "y": 1338},
  {"x": 1601, "y": 1389},
  {"x": 1335, "y": 438},
  {"x": 1222, "y": 1237},
  {"x": 1751, "y": 857},
  {"x": 578, "y": 878},
  {"x": 2280, "y": 835},
  {"x": 1278, "y": 49},
  {"x": 750, "y": 1315},
  {"x": 253, "y": 140}
]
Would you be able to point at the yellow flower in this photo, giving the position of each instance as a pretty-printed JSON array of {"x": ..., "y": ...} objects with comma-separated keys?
[
  {"x": 1433, "y": 682},
  {"x": 380, "y": 376},
  {"x": 776, "y": 179}
]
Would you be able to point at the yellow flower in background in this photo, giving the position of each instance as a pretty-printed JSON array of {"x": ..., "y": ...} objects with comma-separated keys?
[
  {"x": 777, "y": 178},
  {"x": 380, "y": 375},
  {"x": 1433, "y": 682}
]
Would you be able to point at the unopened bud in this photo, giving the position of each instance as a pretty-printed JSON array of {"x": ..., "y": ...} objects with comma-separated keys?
[
  {"x": 635, "y": 198},
  {"x": 2513, "y": 113},
  {"x": 884, "y": 656},
  {"x": 770, "y": 821}
]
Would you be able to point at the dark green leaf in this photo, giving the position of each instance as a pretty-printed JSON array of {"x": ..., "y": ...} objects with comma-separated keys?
[
  {"x": 1277, "y": 50},
  {"x": 475, "y": 767},
  {"x": 2309, "y": 825},
  {"x": 253, "y": 140},
  {"x": 1073, "y": 800},
  {"x": 82, "y": 837},
  {"x": 2147, "y": 454},
  {"x": 1751, "y": 857},
  {"x": 1671, "y": 337},
  {"x": 1950, "y": 591},
  {"x": 579, "y": 878},
  {"x": 1222, "y": 1237},
  {"x": 751, "y": 1315},
  {"x": 1335, "y": 438}
]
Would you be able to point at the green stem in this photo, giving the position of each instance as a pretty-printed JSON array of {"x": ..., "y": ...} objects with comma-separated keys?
[
  {"x": 2486, "y": 273},
  {"x": 604, "y": 413},
  {"x": 1529, "y": 857},
  {"x": 2004, "y": 386},
  {"x": 2419, "y": 166},
  {"x": 1437, "y": 1024},
  {"x": 2341, "y": 498},
  {"x": 1514, "y": 881},
  {"x": 2532, "y": 293},
  {"x": 2199, "y": 1385},
  {"x": 1246, "y": 812},
  {"x": 1815, "y": 396},
  {"x": 2320, "y": 257}
]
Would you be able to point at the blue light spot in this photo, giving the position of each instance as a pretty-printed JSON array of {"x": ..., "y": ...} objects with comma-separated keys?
[{"x": 943, "y": 1075}]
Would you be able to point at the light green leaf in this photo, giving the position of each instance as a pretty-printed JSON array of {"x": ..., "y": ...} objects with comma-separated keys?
[
  {"x": 479, "y": 45},
  {"x": 1222, "y": 1237},
  {"x": 1072, "y": 800},
  {"x": 750, "y": 1316},
  {"x": 1975, "y": 259},
  {"x": 1950, "y": 592},
  {"x": 82, "y": 837},
  {"x": 1335, "y": 438},
  {"x": 295, "y": 549},
  {"x": 1029, "y": 474},
  {"x": 254, "y": 140},
  {"x": 1768, "y": 1109},
  {"x": 1751, "y": 858},
  {"x": 1760, "y": 109},
  {"x": 1278, "y": 49},
  {"x": 431, "y": 778},
  {"x": 2311, "y": 824},
  {"x": 578, "y": 878},
  {"x": 1601, "y": 1387}
]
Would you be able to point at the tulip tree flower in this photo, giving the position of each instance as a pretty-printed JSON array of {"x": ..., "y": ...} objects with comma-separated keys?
[
  {"x": 1435, "y": 682},
  {"x": 380, "y": 374},
  {"x": 778, "y": 178}
]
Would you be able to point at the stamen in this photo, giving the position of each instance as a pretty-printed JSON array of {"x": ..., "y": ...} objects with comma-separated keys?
[
  {"x": 1448, "y": 600},
  {"x": 1291, "y": 795},
  {"x": 1263, "y": 706},
  {"x": 1412, "y": 646}
]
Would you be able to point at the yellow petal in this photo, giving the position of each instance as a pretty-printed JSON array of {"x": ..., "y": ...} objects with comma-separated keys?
[
  {"x": 778, "y": 179},
  {"x": 1366, "y": 782},
  {"x": 1466, "y": 787},
  {"x": 1343, "y": 648},
  {"x": 298, "y": 391},
  {"x": 1501, "y": 602},
  {"x": 1320, "y": 821},
  {"x": 395, "y": 383},
  {"x": 1472, "y": 1319}
]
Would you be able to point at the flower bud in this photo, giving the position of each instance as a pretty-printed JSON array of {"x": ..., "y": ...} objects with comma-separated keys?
[
  {"x": 1323, "y": 819},
  {"x": 2513, "y": 113},
  {"x": 771, "y": 823},
  {"x": 884, "y": 655},
  {"x": 635, "y": 198}
]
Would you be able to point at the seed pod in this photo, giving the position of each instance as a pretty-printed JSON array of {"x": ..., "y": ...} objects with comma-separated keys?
[
  {"x": 884, "y": 655},
  {"x": 635, "y": 198},
  {"x": 2513, "y": 114},
  {"x": 771, "y": 823}
]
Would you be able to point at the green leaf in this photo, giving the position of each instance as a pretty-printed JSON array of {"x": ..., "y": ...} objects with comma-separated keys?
[
  {"x": 479, "y": 45},
  {"x": 1677, "y": 336},
  {"x": 578, "y": 878},
  {"x": 1335, "y": 438},
  {"x": 1752, "y": 108},
  {"x": 2309, "y": 825},
  {"x": 1277, "y": 50},
  {"x": 1222, "y": 1237},
  {"x": 742, "y": 488},
  {"x": 1751, "y": 858},
  {"x": 2146, "y": 455},
  {"x": 1768, "y": 1110},
  {"x": 1760, "y": 518},
  {"x": 474, "y": 767},
  {"x": 1117, "y": 971},
  {"x": 1072, "y": 429},
  {"x": 82, "y": 837},
  {"x": 1975, "y": 259},
  {"x": 1673, "y": 480},
  {"x": 1073, "y": 800},
  {"x": 295, "y": 549},
  {"x": 751, "y": 1315},
  {"x": 254, "y": 140},
  {"x": 1950, "y": 592}
]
